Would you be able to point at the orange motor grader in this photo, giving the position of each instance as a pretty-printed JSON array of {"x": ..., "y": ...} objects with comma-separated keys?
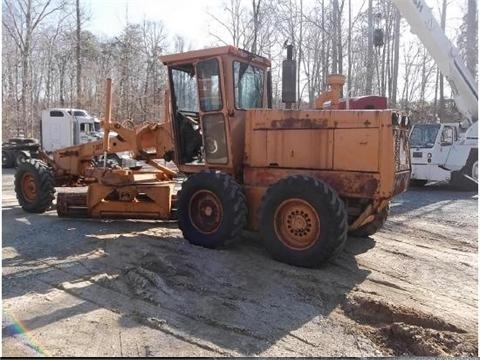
[{"x": 302, "y": 178}]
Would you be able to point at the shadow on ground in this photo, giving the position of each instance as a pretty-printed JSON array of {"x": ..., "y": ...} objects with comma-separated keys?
[{"x": 236, "y": 298}]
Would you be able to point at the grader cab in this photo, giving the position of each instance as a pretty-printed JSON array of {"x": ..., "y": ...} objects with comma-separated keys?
[{"x": 302, "y": 178}]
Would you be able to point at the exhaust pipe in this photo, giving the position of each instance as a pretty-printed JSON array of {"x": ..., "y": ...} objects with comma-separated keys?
[{"x": 289, "y": 79}]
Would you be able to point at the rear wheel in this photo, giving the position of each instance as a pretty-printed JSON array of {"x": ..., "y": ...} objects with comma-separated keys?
[
  {"x": 371, "y": 228},
  {"x": 211, "y": 209},
  {"x": 34, "y": 186},
  {"x": 303, "y": 221}
]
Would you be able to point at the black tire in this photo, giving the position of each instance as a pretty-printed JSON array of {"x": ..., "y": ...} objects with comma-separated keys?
[
  {"x": 20, "y": 157},
  {"x": 303, "y": 221},
  {"x": 371, "y": 228},
  {"x": 211, "y": 209},
  {"x": 34, "y": 186},
  {"x": 459, "y": 181},
  {"x": 7, "y": 159},
  {"x": 418, "y": 182}
]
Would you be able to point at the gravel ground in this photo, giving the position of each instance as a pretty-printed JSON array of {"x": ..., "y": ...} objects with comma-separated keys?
[{"x": 83, "y": 287}]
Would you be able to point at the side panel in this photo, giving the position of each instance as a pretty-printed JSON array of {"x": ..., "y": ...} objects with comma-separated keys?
[
  {"x": 356, "y": 150},
  {"x": 300, "y": 148},
  {"x": 328, "y": 140}
]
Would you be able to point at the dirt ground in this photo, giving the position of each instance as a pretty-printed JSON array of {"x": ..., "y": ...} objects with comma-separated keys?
[{"x": 82, "y": 287}]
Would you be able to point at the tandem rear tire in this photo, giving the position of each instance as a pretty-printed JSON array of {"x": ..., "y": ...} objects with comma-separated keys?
[
  {"x": 303, "y": 221},
  {"x": 372, "y": 227}
]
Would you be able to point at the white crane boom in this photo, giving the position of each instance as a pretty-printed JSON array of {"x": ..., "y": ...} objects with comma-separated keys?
[{"x": 445, "y": 54}]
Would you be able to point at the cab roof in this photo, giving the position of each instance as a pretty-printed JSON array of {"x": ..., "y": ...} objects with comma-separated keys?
[{"x": 188, "y": 56}]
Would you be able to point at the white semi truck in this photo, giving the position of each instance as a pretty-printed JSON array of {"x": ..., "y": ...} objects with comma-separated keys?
[
  {"x": 61, "y": 127},
  {"x": 444, "y": 151}
]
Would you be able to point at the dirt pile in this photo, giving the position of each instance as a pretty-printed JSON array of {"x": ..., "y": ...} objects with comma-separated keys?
[{"x": 403, "y": 331}]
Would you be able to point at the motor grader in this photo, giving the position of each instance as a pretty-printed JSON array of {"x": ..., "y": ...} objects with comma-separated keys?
[{"x": 302, "y": 178}]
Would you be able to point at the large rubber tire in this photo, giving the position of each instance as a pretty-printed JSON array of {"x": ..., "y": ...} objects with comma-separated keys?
[
  {"x": 302, "y": 221},
  {"x": 371, "y": 228},
  {"x": 34, "y": 186},
  {"x": 211, "y": 209},
  {"x": 20, "y": 157},
  {"x": 8, "y": 160},
  {"x": 471, "y": 169}
]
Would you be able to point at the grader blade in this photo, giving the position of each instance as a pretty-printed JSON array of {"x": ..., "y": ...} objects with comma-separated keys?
[{"x": 72, "y": 204}]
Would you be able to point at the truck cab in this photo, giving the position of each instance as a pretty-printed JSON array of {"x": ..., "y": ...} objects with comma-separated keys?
[
  {"x": 430, "y": 145},
  {"x": 208, "y": 116},
  {"x": 440, "y": 151},
  {"x": 62, "y": 127}
]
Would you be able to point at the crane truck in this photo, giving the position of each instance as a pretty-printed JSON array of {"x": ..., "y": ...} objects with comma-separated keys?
[
  {"x": 444, "y": 151},
  {"x": 247, "y": 165}
]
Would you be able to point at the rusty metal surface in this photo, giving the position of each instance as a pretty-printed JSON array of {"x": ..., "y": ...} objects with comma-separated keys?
[
  {"x": 150, "y": 200},
  {"x": 332, "y": 95},
  {"x": 297, "y": 224},
  {"x": 402, "y": 181},
  {"x": 347, "y": 184},
  {"x": 402, "y": 151},
  {"x": 205, "y": 211},
  {"x": 72, "y": 204}
]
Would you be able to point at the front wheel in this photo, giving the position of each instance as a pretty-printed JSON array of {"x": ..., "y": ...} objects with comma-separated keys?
[
  {"x": 467, "y": 178},
  {"x": 7, "y": 159},
  {"x": 34, "y": 186},
  {"x": 211, "y": 209},
  {"x": 303, "y": 222}
]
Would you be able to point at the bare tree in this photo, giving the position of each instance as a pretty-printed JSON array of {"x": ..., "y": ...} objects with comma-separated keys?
[
  {"x": 78, "y": 54},
  {"x": 21, "y": 19},
  {"x": 468, "y": 37}
]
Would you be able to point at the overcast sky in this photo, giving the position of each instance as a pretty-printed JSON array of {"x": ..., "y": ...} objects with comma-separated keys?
[{"x": 188, "y": 18}]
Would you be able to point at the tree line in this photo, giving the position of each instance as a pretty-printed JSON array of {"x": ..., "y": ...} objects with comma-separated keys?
[{"x": 51, "y": 60}]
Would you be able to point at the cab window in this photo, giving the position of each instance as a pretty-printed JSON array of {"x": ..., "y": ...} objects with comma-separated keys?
[
  {"x": 447, "y": 136},
  {"x": 209, "y": 90},
  {"x": 185, "y": 88},
  {"x": 248, "y": 85}
]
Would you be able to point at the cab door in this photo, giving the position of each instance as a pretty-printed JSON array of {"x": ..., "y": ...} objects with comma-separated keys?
[
  {"x": 447, "y": 137},
  {"x": 212, "y": 112}
]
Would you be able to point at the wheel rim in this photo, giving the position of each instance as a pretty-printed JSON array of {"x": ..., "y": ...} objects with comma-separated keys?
[
  {"x": 475, "y": 170},
  {"x": 29, "y": 187},
  {"x": 205, "y": 211},
  {"x": 297, "y": 224}
]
